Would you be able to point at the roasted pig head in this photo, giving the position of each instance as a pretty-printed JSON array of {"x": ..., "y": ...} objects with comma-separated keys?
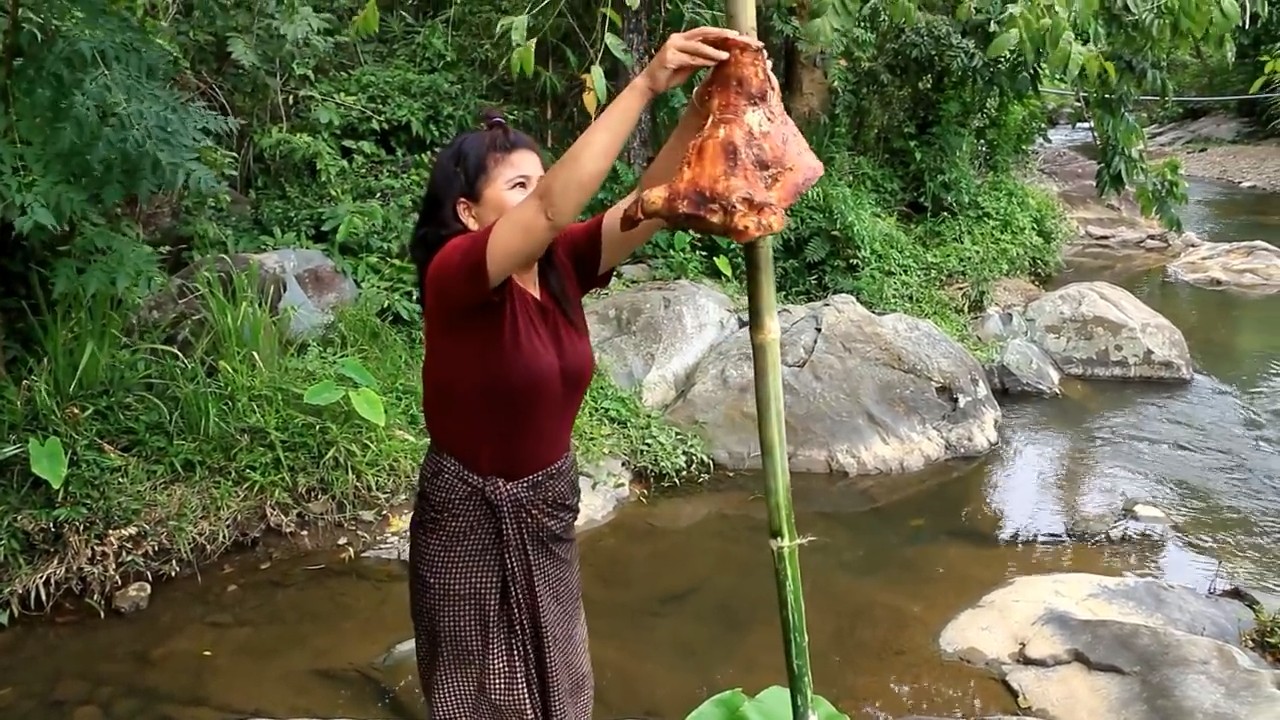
[{"x": 747, "y": 166}]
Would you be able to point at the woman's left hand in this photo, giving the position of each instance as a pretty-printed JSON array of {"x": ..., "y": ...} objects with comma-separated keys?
[{"x": 683, "y": 54}]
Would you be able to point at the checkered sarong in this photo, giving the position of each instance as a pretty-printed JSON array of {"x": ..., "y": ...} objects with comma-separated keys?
[{"x": 496, "y": 595}]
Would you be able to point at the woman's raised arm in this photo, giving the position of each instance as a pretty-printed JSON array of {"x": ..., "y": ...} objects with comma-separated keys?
[{"x": 521, "y": 235}]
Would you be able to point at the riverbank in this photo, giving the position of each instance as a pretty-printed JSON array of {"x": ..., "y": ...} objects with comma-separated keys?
[
  {"x": 1221, "y": 147},
  {"x": 1253, "y": 165}
]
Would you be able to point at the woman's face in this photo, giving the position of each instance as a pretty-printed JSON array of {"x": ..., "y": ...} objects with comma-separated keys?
[{"x": 509, "y": 182}]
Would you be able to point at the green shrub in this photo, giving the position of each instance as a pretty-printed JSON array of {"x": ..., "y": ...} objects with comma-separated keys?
[{"x": 174, "y": 455}]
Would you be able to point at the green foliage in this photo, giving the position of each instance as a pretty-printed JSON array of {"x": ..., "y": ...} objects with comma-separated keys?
[
  {"x": 172, "y": 455},
  {"x": 1264, "y": 637},
  {"x": 614, "y": 423},
  {"x": 773, "y": 703}
]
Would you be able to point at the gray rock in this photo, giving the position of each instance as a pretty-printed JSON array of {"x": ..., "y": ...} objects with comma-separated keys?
[
  {"x": 649, "y": 338},
  {"x": 1022, "y": 368},
  {"x": 132, "y": 598},
  {"x": 985, "y": 717},
  {"x": 1216, "y": 128},
  {"x": 636, "y": 272},
  {"x": 606, "y": 485},
  {"x": 1000, "y": 326},
  {"x": 865, "y": 394},
  {"x": 303, "y": 284},
  {"x": 1097, "y": 330},
  {"x": 1075, "y": 646},
  {"x": 1146, "y": 513},
  {"x": 1251, "y": 266}
]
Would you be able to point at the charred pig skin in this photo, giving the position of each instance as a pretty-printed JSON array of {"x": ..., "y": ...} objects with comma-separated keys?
[{"x": 746, "y": 167}]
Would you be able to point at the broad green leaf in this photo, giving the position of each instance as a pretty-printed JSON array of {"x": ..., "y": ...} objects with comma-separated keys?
[
  {"x": 1073, "y": 64},
  {"x": 618, "y": 48},
  {"x": 722, "y": 706},
  {"x": 369, "y": 405},
  {"x": 613, "y": 17},
  {"x": 325, "y": 392},
  {"x": 48, "y": 461},
  {"x": 1061, "y": 57},
  {"x": 522, "y": 59},
  {"x": 519, "y": 30},
  {"x": 40, "y": 214},
  {"x": 772, "y": 703},
  {"x": 353, "y": 369},
  {"x": 599, "y": 85},
  {"x": 827, "y": 711},
  {"x": 964, "y": 11},
  {"x": 633, "y": 4},
  {"x": 1003, "y": 42},
  {"x": 722, "y": 264},
  {"x": 1257, "y": 85},
  {"x": 365, "y": 23}
]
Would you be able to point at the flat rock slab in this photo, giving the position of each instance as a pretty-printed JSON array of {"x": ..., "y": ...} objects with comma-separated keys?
[
  {"x": 1075, "y": 646},
  {"x": 1252, "y": 266}
]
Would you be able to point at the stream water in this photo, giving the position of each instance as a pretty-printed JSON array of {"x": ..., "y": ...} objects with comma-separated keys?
[{"x": 680, "y": 594}]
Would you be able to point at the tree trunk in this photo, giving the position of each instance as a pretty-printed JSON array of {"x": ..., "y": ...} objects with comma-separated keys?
[
  {"x": 806, "y": 89},
  {"x": 635, "y": 33}
]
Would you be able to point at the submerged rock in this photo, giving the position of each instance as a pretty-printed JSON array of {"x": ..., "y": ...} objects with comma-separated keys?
[
  {"x": 1075, "y": 646},
  {"x": 865, "y": 394},
  {"x": 132, "y": 598},
  {"x": 1252, "y": 266},
  {"x": 1097, "y": 330}
]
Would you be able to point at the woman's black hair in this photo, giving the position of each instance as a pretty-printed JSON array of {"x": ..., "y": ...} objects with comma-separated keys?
[{"x": 461, "y": 171}]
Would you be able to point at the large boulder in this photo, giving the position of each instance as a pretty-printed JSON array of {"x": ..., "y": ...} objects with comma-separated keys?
[
  {"x": 1097, "y": 330},
  {"x": 1253, "y": 266},
  {"x": 650, "y": 337},
  {"x": 865, "y": 394},
  {"x": 1075, "y": 646}
]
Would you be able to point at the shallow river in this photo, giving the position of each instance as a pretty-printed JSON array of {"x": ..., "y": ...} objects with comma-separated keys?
[{"x": 680, "y": 593}]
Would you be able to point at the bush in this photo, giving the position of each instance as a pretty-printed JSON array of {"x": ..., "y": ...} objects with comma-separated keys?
[{"x": 174, "y": 455}]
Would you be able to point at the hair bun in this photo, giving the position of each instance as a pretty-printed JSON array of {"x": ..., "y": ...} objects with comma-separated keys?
[{"x": 492, "y": 120}]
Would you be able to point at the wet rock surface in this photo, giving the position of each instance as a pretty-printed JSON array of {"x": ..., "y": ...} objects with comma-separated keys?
[
  {"x": 1252, "y": 266},
  {"x": 1074, "y": 646}
]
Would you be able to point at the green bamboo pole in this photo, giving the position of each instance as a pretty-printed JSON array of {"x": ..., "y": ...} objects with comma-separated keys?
[{"x": 762, "y": 299}]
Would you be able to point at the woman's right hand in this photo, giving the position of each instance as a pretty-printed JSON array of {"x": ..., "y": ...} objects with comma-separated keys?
[{"x": 683, "y": 54}]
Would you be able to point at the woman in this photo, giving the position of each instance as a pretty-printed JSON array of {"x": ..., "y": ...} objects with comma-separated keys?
[{"x": 503, "y": 266}]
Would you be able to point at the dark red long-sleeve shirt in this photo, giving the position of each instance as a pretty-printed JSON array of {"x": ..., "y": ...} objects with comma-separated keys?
[{"x": 505, "y": 373}]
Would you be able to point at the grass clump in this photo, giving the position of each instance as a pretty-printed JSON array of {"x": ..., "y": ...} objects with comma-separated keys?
[
  {"x": 615, "y": 423},
  {"x": 170, "y": 456},
  {"x": 1264, "y": 637}
]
